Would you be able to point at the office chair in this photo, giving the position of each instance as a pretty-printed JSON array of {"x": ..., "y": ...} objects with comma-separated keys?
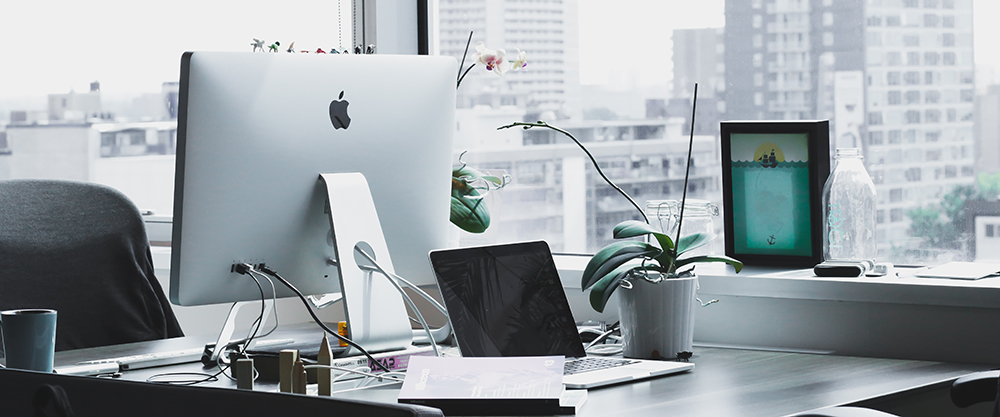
[
  {"x": 81, "y": 249},
  {"x": 968, "y": 390}
]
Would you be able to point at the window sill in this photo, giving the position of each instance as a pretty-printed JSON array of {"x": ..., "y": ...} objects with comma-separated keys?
[
  {"x": 802, "y": 284},
  {"x": 786, "y": 309}
]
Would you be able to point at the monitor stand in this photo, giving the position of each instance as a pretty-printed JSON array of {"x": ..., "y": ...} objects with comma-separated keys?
[
  {"x": 376, "y": 316},
  {"x": 226, "y": 335}
]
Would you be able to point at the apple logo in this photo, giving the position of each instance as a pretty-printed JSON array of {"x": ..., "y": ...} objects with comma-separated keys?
[{"x": 338, "y": 113}]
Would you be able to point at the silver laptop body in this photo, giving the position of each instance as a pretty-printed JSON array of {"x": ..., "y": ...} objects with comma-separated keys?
[{"x": 507, "y": 300}]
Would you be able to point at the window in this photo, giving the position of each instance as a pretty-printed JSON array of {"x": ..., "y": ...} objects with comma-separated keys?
[
  {"x": 895, "y": 195},
  {"x": 932, "y": 116},
  {"x": 931, "y": 20},
  {"x": 893, "y": 97},
  {"x": 948, "y": 39},
  {"x": 896, "y": 215},
  {"x": 764, "y": 60},
  {"x": 893, "y": 58}
]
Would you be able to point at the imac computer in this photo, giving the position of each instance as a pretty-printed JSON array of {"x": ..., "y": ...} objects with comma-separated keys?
[{"x": 255, "y": 132}]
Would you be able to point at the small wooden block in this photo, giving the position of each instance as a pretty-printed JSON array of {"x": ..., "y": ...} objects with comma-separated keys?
[
  {"x": 244, "y": 373},
  {"x": 286, "y": 361},
  {"x": 324, "y": 376},
  {"x": 299, "y": 377}
]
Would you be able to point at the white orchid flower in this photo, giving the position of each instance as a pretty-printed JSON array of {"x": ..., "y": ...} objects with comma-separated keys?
[
  {"x": 494, "y": 60},
  {"x": 521, "y": 62}
]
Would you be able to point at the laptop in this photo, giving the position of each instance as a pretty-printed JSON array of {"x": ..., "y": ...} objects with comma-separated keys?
[{"x": 507, "y": 300}]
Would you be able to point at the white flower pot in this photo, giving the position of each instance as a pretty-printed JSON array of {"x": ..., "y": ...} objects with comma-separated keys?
[{"x": 657, "y": 319}]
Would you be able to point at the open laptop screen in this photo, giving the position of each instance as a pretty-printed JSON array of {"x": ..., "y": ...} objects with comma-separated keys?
[{"x": 506, "y": 300}]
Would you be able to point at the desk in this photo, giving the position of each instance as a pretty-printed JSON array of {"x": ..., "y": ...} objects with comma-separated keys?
[{"x": 725, "y": 382}]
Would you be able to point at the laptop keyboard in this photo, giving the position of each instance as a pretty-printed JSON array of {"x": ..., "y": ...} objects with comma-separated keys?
[{"x": 589, "y": 363}]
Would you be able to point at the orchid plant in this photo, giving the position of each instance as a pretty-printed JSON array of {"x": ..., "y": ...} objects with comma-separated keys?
[
  {"x": 469, "y": 186},
  {"x": 657, "y": 258}
]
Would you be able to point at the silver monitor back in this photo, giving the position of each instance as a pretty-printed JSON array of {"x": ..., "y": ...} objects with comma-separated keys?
[{"x": 255, "y": 130}]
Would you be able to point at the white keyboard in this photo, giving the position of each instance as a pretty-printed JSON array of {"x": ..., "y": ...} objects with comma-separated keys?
[{"x": 149, "y": 360}]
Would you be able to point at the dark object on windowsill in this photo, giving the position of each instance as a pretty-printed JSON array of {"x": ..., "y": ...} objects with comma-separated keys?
[{"x": 841, "y": 269}]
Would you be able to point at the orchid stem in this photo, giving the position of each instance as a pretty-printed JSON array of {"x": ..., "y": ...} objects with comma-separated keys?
[
  {"x": 461, "y": 75},
  {"x": 540, "y": 123},
  {"x": 687, "y": 172}
]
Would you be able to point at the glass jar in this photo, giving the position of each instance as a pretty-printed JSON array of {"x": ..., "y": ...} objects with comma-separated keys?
[
  {"x": 849, "y": 210},
  {"x": 699, "y": 217}
]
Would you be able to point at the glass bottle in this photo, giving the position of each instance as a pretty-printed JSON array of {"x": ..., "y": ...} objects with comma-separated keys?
[
  {"x": 699, "y": 217},
  {"x": 849, "y": 210}
]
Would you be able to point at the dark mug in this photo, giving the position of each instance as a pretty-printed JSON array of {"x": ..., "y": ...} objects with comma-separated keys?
[{"x": 29, "y": 338}]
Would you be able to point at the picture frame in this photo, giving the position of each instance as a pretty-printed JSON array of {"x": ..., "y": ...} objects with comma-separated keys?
[{"x": 773, "y": 173}]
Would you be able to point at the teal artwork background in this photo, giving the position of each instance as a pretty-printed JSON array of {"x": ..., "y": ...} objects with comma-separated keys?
[{"x": 771, "y": 205}]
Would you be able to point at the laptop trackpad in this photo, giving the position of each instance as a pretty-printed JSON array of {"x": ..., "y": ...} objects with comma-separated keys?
[{"x": 636, "y": 371}]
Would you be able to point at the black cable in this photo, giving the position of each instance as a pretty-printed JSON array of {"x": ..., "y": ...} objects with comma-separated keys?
[
  {"x": 245, "y": 268},
  {"x": 219, "y": 362}
]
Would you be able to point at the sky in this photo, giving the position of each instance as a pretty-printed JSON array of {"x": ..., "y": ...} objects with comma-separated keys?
[{"x": 54, "y": 46}]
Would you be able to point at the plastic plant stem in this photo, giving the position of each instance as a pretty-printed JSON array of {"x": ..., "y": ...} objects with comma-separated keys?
[{"x": 687, "y": 172}]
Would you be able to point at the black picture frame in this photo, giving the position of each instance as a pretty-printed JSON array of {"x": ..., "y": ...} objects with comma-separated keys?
[{"x": 773, "y": 212}]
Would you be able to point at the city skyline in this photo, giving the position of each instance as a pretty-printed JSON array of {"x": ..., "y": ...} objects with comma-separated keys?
[{"x": 131, "y": 48}]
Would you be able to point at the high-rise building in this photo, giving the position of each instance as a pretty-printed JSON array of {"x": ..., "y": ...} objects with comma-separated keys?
[
  {"x": 896, "y": 78},
  {"x": 698, "y": 58},
  {"x": 545, "y": 29}
]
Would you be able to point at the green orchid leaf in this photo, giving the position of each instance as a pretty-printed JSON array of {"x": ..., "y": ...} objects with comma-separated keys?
[
  {"x": 607, "y": 285},
  {"x": 613, "y": 256},
  {"x": 705, "y": 259},
  {"x": 634, "y": 228},
  {"x": 693, "y": 241},
  {"x": 468, "y": 210}
]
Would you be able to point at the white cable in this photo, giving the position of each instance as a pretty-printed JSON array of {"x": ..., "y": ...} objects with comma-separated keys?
[
  {"x": 606, "y": 350},
  {"x": 427, "y": 328},
  {"x": 599, "y": 338},
  {"x": 430, "y": 299},
  {"x": 355, "y": 371}
]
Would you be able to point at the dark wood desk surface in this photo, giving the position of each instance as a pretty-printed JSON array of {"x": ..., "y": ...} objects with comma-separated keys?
[{"x": 724, "y": 382}]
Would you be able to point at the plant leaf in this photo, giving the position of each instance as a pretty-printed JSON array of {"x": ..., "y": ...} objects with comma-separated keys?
[
  {"x": 634, "y": 228},
  {"x": 705, "y": 259},
  {"x": 468, "y": 211},
  {"x": 613, "y": 256},
  {"x": 607, "y": 285},
  {"x": 693, "y": 241}
]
